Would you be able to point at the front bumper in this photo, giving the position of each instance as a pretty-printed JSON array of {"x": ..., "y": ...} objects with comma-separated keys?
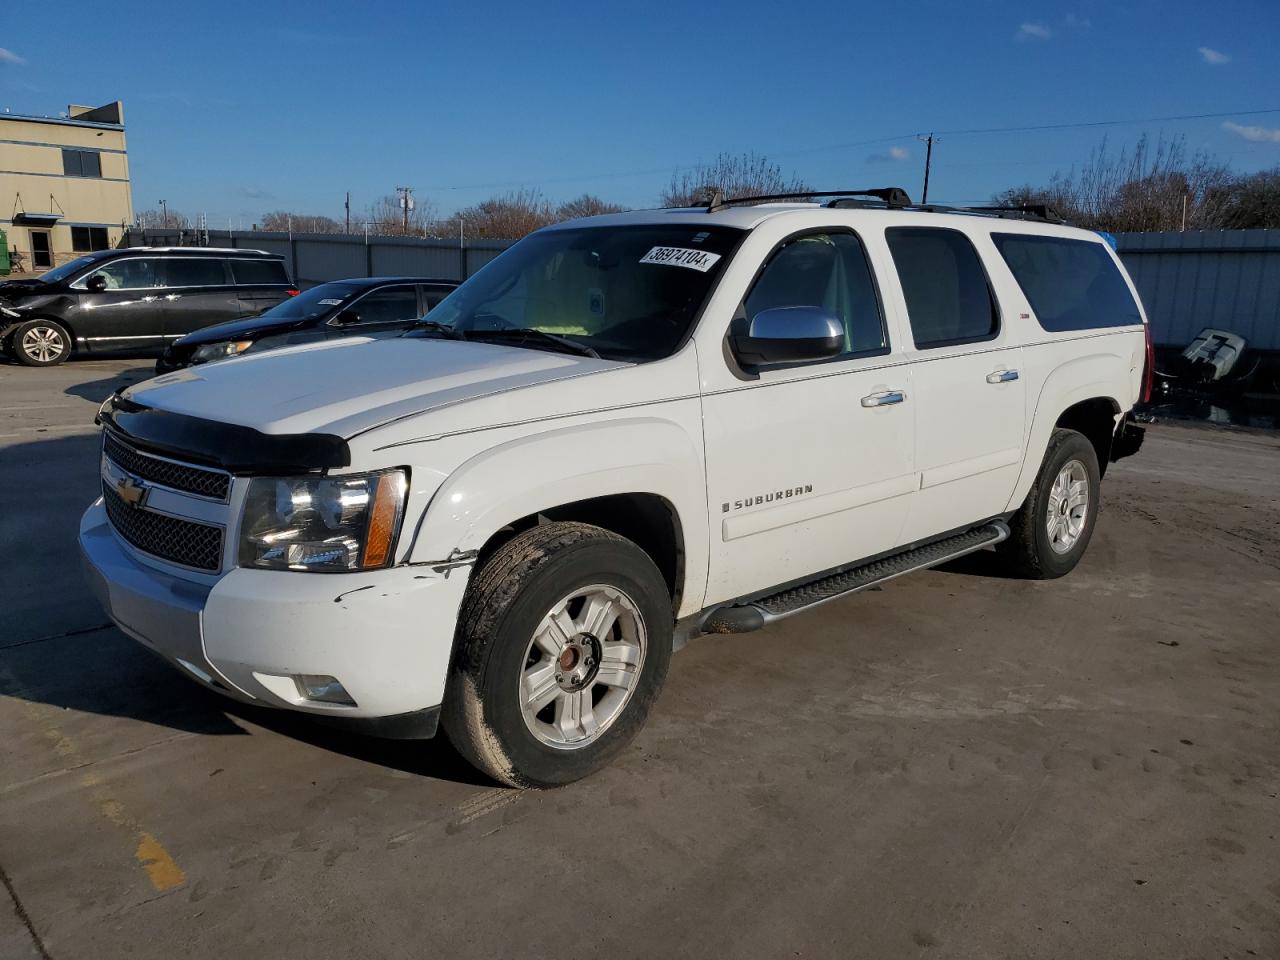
[{"x": 386, "y": 635}]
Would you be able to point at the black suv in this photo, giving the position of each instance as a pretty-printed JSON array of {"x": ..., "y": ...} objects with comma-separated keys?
[
  {"x": 365, "y": 307},
  {"x": 135, "y": 299}
]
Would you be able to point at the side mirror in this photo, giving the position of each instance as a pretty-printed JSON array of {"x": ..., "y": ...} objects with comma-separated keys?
[
  {"x": 345, "y": 317},
  {"x": 96, "y": 284},
  {"x": 789, "y": 335}
]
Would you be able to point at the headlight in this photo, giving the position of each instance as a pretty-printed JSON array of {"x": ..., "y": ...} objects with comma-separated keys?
[
  {"x": 217, "y": 351},
  {"x": 324, "y": 524}
]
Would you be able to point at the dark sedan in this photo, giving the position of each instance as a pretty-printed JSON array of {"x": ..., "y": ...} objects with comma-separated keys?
[{"x": 366, "y": 307}]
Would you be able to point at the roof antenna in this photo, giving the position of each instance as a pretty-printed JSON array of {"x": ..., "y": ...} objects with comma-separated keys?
[{"x": 711, "y": 196}]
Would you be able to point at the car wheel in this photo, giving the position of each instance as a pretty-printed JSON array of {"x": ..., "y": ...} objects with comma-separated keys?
[
  {"x": 1051, "y": 531},
  {"x": 563, "y": 644},
  {"x": 41, "y": 343}
]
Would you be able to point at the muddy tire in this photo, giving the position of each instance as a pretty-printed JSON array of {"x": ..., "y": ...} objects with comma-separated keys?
[
  {"x": 563, "y": 644},
  {"x": 41, "y": 343},
  {"x": 1051, "y": 531}
]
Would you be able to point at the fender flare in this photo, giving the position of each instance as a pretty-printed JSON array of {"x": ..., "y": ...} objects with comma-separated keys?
[
  {"x": 1098, "y": 375},
  {"x": 522, "y": 477}
]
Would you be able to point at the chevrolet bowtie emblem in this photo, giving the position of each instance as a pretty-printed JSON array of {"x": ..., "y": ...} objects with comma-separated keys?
[{"x": 133, "y": 492}]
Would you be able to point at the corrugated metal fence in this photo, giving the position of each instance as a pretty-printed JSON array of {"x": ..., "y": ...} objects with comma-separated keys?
[
  {"x": 316, "y": 257},
  {"x": 1188, "y": 281},
  {"x": 1207, "y": 278}
]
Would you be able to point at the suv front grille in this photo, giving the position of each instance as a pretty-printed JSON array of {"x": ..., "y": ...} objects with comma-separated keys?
[
  {"x": 185, "y": 542},
  {"x": 178, "y": 476}
]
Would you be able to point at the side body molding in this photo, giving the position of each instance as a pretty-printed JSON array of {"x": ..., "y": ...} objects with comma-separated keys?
[
  {"x": 544, "y": 470},
  {"x": 1104, "y": 375}
]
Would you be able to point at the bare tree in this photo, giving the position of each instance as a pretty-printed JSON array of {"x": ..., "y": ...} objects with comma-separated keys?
[
  {"x": 156, "y": 220},
  {"x": 734, "y": 175},
  {"x": 387, "y": 218},
  {"x": 1251, "y": 201},
  {"x": 586, "y": 205},
  {"x": 283, "y": 220},
  {"x": 509, "y": 216},
  {"x": 1153, "y": 186}
]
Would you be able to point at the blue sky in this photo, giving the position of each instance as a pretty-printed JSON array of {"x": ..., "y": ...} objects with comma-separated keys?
[{"x": 238, "y": 108}]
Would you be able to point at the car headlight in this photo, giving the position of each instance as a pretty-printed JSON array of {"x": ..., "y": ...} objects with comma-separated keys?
[
  {"x": 323, "y": 524},
  {"x": 218, "y": 351}
]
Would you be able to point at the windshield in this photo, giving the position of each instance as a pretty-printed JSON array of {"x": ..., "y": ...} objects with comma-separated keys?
[
  {"x": 628, "y": 293},
  {"x": 315, "y": 302},
  {"x": 67, "y": 269}
]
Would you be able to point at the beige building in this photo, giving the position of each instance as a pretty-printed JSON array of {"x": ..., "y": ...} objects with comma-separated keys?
[{"x": 64, "y": 183}]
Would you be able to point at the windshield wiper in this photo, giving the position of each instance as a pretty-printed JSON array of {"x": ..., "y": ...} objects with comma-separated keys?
[
  {"x": 537, "y": 336},
  {"x": 424, "y": 325}
]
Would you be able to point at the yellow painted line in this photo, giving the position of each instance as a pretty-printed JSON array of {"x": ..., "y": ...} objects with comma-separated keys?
[{"x": 161, "y": 869}]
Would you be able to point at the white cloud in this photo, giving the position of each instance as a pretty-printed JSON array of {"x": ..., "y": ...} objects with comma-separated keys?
[
  {"x": 1034, "y": 31},
  {"x": 1256, "y": 134},
  {"x": 892, "y": 155},
  {"x": 8, "y": 56},
  {"x": 1215, "y": 57},
  {"x": 1078, "y": 23}
]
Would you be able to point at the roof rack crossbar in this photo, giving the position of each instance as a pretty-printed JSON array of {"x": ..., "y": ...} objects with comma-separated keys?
[{"x": 893, "y": 197}]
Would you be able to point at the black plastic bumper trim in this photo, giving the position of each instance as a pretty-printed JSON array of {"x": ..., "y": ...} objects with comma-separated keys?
[
  {"x": 418, "y": 725},
  {"x": 232, "y": 447}
]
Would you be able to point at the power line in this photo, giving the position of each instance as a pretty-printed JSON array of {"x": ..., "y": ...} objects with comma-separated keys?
[{"x": 851, "y": 145}]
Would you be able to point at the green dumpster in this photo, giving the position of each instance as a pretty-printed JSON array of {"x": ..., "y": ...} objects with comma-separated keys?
[{"x": 4, "y": 254}]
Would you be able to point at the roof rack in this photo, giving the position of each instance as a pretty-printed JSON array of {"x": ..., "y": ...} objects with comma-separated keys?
[
  {"x": 895, "y": 198},
  {"x": 891, "y": 198},
  {"x": 263, "y": 253}
]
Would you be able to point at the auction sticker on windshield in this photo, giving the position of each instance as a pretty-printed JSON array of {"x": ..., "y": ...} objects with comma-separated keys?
[{"x": 698, "y": 260}]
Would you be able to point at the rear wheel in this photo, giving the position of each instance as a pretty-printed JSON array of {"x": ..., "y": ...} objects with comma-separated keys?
[
  {"x": 1051, "y": 531},
  {"x": 563, "y": 645},
  {"x": 41, "y": 343}
]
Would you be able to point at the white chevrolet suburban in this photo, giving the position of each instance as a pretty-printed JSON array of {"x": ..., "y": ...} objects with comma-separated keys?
[{"x": 623, "y": 432}]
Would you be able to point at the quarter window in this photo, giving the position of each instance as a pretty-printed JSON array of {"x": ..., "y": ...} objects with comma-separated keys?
[
  {"x": 81, "y": 163},
  {"x": 131, "y": 274},
  {"x": 259, "y": 273},
  {"x": 1070, "y": 284},
  {"x": 195, "y": 272},
  {"x": 392, "y": 305},
  {"x": 948, "y": 298},
  {"x": 828, "y": 271},
  {"x": 89, "y": 238}
]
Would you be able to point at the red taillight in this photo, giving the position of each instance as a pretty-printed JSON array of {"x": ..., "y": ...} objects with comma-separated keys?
[
  {"x": 293, "y": 291},
  {"x": 1149, "y": 374}
]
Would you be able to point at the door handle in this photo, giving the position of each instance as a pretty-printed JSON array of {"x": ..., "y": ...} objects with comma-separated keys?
[
  {"x": 884, "y": 398},
  {"x": 1002, "y": 376},
  {"x": 173, "y": 296},
  {"x": 150, "y": 299}
]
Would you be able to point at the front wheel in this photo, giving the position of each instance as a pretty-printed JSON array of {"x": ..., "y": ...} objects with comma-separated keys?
[
  {"x": 41, "y": 343},
  {"x": 1051, "y": 531},
  {"x": 563, "y": 644}
]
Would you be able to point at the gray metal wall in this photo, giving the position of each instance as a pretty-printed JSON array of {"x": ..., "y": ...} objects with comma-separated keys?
[
  {"x": 313, "y": 258},
  {"x": 1207, "y": 278}
]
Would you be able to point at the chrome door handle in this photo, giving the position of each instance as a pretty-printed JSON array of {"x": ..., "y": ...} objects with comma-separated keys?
[
  {"x": 149, "y": 299},
  {"x": 173, "y": 296},
  {"x": 884, "y": 398},
  {"x": 1002, "y": 376}
]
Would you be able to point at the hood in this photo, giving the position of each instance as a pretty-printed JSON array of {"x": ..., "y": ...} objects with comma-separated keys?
[
  {"x": 10, "y": 289},
  {"x": 352, "y": 384},
  {"x": 249, "y": 328}
]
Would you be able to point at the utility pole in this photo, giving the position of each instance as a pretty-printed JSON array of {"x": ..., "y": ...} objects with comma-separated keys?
[
  {"x": 928, "y": 162},
  {"x": 347, "y": 206},
  {"x": 406, "y": 204}
]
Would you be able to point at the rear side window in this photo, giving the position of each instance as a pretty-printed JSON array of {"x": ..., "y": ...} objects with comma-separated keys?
[
  {"x": 829, "y": 271},
  {"x": 948, "y": 298},
  {"x": 193, "y": 272},
  {"x": 258, "y": 273},
  {"x": 1070, "y": 284}
]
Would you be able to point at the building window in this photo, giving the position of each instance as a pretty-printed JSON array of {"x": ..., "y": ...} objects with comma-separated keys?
[
  {"x": 89, "y": 238},
  {"x": 81, "y": 163}
]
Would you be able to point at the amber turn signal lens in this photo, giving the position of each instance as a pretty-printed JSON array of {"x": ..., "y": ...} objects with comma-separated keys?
[{"x": 383, "y": 520}]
